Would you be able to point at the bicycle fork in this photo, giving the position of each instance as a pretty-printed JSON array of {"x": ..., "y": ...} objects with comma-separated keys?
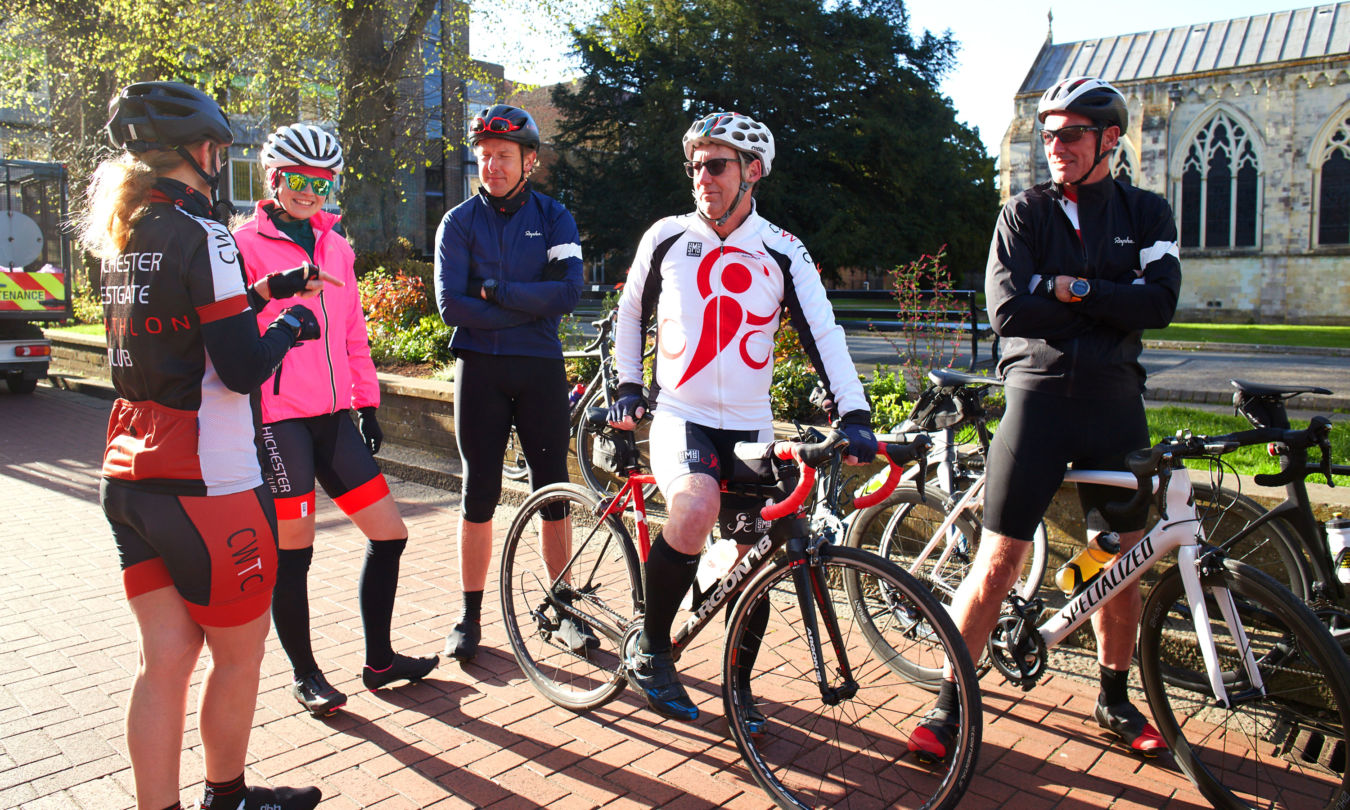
[
  {"x": 808, "y": 579},
  {"x": 1194, "y": 568}
]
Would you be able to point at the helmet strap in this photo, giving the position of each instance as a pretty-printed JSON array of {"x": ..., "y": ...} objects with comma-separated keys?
[
  {"x": 212, "y": 180},
  {"x": 511, "y": 202},
  {"x": 740, "y": 193},
  {"x": 1093, "y": 167}
]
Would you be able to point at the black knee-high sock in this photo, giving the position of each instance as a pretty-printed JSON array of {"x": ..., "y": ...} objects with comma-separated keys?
[
  {"x": 748, "y": 650},
  {"x": 666, "y": 577},
  {"x": 290, "y": 607},
  {"x": 379, "y": 583}
]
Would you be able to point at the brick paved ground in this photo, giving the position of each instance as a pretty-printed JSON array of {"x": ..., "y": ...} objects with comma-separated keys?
[{"x": 468, "y": 737}]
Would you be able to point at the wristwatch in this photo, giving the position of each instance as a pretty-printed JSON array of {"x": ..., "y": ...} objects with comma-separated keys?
[
  {"x": 490, "y": 290},
  {"x": 1048, "y": 287},
  {"x": 294, "y": 324},
  {"x": 1079, "y": 289}
]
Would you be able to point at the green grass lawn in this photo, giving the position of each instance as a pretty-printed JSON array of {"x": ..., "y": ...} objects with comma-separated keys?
[
  {"x": 1167, "y": 420},
  {"x": 1265, "y": 334},
  {"x": 79, "y": 329}
]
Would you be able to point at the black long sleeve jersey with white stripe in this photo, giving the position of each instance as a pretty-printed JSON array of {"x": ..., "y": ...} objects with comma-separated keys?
[{"x": 1121, "y": 238}]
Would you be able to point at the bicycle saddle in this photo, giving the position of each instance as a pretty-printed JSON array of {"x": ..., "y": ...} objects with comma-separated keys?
[
  {"x": 951, "y": 378},
  {"x": 1261, "y": 390}
]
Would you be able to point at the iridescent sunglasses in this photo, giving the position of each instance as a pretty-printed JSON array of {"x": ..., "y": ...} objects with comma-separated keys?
[{"x": 297, "y": 182}]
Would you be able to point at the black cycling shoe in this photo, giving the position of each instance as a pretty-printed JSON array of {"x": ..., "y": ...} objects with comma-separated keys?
[
  {"x": 576, "y": 635},
  {"x": 279, "y": 798},
  {"x": 1129, "y": 724},
  {"x": 462, "y": 643},
  {"x": 931, "y": 742},
  {"x": 403, "y": 668},
  {"x": 317, "y": 695},
  {"x": 654, "y": 676}
]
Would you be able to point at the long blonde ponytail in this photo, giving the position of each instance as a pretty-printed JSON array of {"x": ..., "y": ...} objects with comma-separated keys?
[{"x": 116, "y": 199}]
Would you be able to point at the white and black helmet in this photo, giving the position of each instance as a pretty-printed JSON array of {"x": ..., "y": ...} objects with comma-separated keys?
[
  {"x": 1087, "y": 96},
  {"x": 302, "y": 145},
  {"x": 740, "y": 132}
]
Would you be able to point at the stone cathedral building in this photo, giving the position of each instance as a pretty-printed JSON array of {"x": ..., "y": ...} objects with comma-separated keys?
[{"x": 1244, "y": 126}]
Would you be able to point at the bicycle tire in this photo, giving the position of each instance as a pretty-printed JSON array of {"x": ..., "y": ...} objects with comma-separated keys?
[
  {"x": 899, "y": 527},
  {"x": 513, "y": 461},
  {"x": 1273, "y": 547},
  {"x": 852, "y": 753},
  {"x": 1283, "y": 749},
  {"x": 605, "y": 580},
  {"x": 597, "y": 478}
]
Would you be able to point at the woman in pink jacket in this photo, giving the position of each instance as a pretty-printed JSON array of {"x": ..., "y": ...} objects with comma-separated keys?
[{"x": 308, "y": 432}]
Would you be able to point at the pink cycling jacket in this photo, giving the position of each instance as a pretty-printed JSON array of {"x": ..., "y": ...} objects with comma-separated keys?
[{"x": 322, "y": 376}]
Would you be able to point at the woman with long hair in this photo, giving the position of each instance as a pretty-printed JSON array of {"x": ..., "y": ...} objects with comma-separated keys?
[{"x": 182, "y": 487}]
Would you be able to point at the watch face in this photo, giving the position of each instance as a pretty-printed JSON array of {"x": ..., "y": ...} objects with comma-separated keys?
[{"x": 1080, "y": 288}]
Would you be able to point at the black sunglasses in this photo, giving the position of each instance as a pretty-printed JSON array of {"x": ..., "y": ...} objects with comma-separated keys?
[
  {"x": 715, "y": 166},
  {"x": 1069, "y": 134}
]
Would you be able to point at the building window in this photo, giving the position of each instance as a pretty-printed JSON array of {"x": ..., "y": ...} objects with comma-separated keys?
[
  {"x": 1333, "y": 189},
  {"x": 246, "y": 183},
  {"x": 1221, "y": 187},
  {"x": 1122, "y": 163}
]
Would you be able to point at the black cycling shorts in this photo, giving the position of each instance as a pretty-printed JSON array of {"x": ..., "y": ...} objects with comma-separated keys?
[
  {"x": 296, "y": 452},
  {"x": 492, "y": 392},
  {"x": 219, "y": 551},
  {"x": 1040, "y": 434},
  {"x": 680, "y": 448}
]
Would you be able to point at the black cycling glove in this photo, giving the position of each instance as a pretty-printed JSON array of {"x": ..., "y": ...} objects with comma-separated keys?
[
  {"x": 626, "y": 407},
  {"x": 299, "y": 323},
  {"x": 857, "y": 426},
  {"x": 370, "y": 428},
  {"x": 290, "y": 282}
]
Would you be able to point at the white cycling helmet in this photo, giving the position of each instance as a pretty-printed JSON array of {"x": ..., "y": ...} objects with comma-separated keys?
[
  {"x": 1088, "y": 96},
  {"x": 740, "y": 132},
  {"x": 302, "y": 145}
]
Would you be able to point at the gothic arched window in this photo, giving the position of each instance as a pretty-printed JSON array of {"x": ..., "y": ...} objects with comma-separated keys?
[
  {"x": 1221, "y": 187},
  {"x": 1333, "y": 188}
]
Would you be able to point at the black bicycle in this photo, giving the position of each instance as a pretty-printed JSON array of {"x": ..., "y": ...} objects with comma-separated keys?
[
  {"x": 828, "y": 669},
  {"x": 598, "y": 392}
]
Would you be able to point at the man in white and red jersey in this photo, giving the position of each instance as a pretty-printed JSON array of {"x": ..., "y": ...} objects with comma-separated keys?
[{"x": 716, "y": 282}]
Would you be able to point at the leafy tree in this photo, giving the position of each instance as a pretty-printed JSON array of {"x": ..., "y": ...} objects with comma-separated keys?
[
  {"x": 872, "y": 170},
  {"x": 355, "y": 62}
]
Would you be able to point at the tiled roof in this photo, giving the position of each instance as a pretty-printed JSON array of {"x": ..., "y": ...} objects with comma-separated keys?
[{"x": 1261, "y": 39}]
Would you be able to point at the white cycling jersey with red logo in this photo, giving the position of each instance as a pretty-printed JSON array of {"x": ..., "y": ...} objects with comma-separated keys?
[{"x": 717, "y": 304}]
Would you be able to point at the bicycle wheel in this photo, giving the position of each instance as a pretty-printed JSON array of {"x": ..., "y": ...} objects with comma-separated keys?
[
  {"x": 598, "y": 478},
  {"x": 1283, "y": 748},
  {"x": 600, "y": 588},
  {"x": 850, "y": 750},
  {"x": 513, "y": 463},
  {"x": 900, "y": 527},
  {"x": 1273, "y": 547}
]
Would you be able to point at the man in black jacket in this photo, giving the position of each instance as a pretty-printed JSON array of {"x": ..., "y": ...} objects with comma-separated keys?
[{"x": 1078, "y": 268}]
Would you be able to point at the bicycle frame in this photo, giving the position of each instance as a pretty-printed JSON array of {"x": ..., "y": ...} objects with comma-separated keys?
[{"x": 1179, "y": 530}]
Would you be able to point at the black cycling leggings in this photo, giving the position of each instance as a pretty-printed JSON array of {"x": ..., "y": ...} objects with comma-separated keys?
[
  {"x": 1038, "y": 436},
  {"x": 491, "y": 392}
]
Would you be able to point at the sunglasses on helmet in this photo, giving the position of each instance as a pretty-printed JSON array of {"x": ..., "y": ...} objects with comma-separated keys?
[
  {"x": 715, "y": 166},
  {"x": 296, "y": 182},
  {"x": 1069, "y": 134},
  {"x": 494, "y": 124}
]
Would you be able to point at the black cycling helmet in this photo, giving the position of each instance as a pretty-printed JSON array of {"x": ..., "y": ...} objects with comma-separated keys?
[
  {"x": 505, "y": 122},
  {"x": 165, "y": 115},
  {"x": 1089, "y": 97}
]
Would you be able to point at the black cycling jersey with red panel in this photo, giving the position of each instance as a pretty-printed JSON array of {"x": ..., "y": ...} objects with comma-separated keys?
[{"x": 184, "y": 353}]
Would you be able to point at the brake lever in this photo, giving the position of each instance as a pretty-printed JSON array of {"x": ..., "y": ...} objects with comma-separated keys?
[
  {"x": 1325, "y": 446},
  {"x": 921, "y": 479},
  {"x": 1164, "y": 480}
]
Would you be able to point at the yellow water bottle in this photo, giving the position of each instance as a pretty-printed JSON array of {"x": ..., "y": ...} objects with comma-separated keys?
[{"x": 1088, "y": 563}]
